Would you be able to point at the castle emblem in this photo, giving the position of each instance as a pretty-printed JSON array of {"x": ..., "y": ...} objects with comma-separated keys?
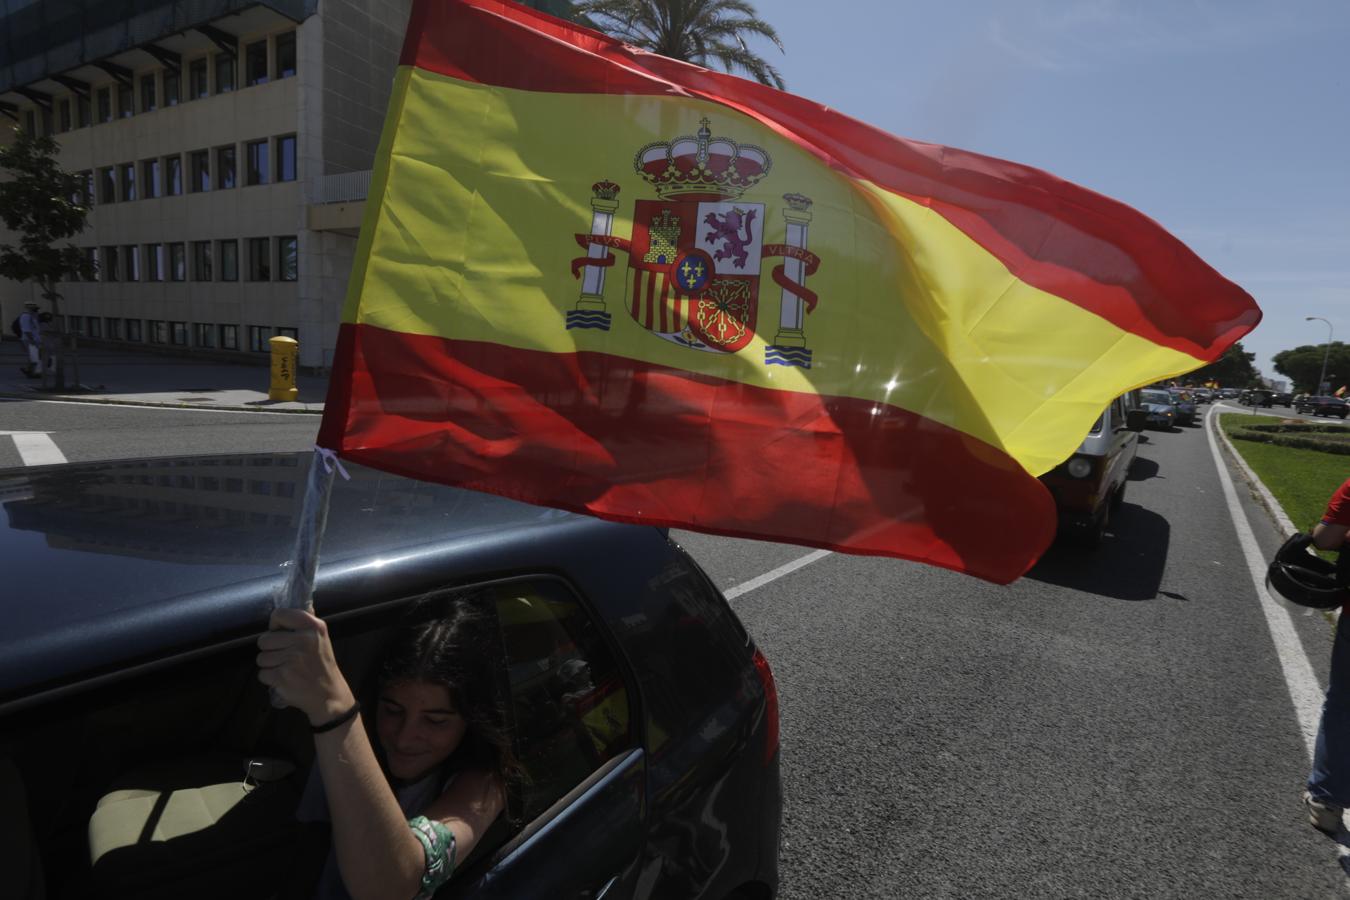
[{"x": 696, "y": 251}]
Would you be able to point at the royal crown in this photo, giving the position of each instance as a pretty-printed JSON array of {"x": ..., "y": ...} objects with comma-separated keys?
[{"x": 701, "y": 165}]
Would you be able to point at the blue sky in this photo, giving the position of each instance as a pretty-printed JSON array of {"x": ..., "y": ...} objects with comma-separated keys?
[{"x": 1227, "y": 122}]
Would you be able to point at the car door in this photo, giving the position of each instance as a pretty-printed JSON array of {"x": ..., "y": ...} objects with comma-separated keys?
[{"x": 581, "y": 800}]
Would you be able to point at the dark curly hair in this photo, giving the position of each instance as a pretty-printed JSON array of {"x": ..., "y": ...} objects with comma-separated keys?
[{"x": 454, "y": 640}]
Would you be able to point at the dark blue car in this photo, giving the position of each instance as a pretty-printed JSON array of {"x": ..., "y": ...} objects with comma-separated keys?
[{"x": 139, "y": 756}]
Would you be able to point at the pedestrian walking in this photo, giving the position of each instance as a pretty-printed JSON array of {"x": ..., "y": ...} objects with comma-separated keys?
[
  {"x": 30, "y": 332},
  {"x": 1328, "y": 791}
]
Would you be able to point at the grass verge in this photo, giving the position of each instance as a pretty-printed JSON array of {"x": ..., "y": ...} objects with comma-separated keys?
[{"x": 1301, "y": 480}]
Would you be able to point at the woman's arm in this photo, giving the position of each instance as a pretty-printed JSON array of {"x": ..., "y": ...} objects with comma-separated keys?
[{"x": 377, "y": 853}]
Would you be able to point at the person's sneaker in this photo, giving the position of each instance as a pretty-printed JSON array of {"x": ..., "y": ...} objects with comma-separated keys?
[{"x": 1323, "y": 816}]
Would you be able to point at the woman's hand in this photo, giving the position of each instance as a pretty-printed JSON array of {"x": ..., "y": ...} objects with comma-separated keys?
[{"x": 295, "y": 659}]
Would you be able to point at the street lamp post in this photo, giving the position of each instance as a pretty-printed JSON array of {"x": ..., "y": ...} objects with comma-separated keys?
[{"x": 1323, "y": 378}]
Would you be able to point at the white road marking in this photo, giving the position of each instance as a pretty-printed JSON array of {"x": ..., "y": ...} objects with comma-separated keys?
[
  {"x": 1304, "y": 691},
  {"x": 773, "y": 575},
  {"x": 35, "y": 448}
]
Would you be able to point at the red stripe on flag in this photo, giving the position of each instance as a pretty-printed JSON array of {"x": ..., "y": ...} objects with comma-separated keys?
[
  {"x": 1072, "y": 242},
  {"x": 637, "y": 293},
  {"x": 630, "y": 441}
]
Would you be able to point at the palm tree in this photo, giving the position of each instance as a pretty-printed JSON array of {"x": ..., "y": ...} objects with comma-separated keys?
[{"x": 695, "y": 31}]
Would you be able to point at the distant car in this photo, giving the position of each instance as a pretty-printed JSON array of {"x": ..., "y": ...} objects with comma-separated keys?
[
  {"x": 1202, "y": 395},
  {"x": 1283, "y": 398},
  {"x": 1157, "y": 403},
  {"x": 1228, "y": 393},
  {"x": 1090, "y": 485},
  {"x": 1257, "y": 397},
  {"x": 1185, "y": 407},
  {"x": 1321, "y": 406},
  {"x": 643, "y": 718}
]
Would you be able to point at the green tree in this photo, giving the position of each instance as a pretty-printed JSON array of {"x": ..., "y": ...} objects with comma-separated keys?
[
  {"x": 1303, "y": 365},
  {"x": 1233, "y": 369},
  {"x": 42, "y": 205},
  {"x": 695, "y": 31}
]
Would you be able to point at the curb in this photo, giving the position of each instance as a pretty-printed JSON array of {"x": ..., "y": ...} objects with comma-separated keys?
[
  {"x": 76, "y": 398},
  {"x": 1286, "y": 525}
]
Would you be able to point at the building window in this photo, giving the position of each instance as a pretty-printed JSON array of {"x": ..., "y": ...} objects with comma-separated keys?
[
  {"x": 204, "y": 335},
  {"x": 128, "y": 178},
  {"x": 104, "y": 105},
  {"x": 199, "y": 163},
  {"x": 287, "y": 258},
  {"x": 178, "y": 333},
  {"x": 159, "y": 331},
  {"x": 154, "y": 262},
  {"x": 201, "y": 260},
  {"x": 258, "y": 263},
  {"x": 170, "y": 87},
  {"x": 63, "y": 120},
  {"x": 93, "y": 326},
  {"x": 134, "y": 330},
  {"x": 258, "y": 336},
  {"x": 87, "y": 188},
  {"x": 229, "y": 260},
  {"x": 229, "y": 337},
  {"x": 107, "y": 185},
  {"x": 286, "y": 158},
  {"x": 149, "y": 98},
  {"x": 30, "y": 122},
  {"x": 91, "y": 263},
  {"x": 292, "y": 333},
  {"x": 225, "y": 167},
  {"x": 77, "y": 324},
  {"x": 126, "y": 101},
  {"x": 255, "y": 63},
  {"x": 109, "y": 268},
  {"x": 257, "y": 161},
  {"x": 114, "y": 327},
  {"x": 150, "y": 184},
  {"x": 197, "y": 86},
  {"x": 224, "y": 73},
  {"x": 131, "y": 263},
  {"x": 82, "y": 115},
  {"x": 178, "y": 262},
  {"x": 286, "y": 54},
  {"x": 173, "y": 175}
]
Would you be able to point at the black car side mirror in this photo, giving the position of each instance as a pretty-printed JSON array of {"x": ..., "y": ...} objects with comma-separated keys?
[{"x": 1136, "y": 419}]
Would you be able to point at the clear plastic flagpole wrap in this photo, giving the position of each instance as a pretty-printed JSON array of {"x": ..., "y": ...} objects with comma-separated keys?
[{"x": 297, "y": 588}]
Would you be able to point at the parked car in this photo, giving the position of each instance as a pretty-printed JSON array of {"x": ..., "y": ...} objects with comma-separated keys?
[
  {"x": 1282, "y": 398},
  {"x": 1159, "y": 409},
  {"x": 1321, "y": 406},
  {"x": 1185, "y": 407},
  {"x": 644, "y": 717},
  {"x": 1090, "y": 485}
]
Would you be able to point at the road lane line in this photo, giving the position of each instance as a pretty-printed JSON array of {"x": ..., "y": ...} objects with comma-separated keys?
[
  {"x": 36, "y": 449},
  {"x": 773, "y": 575},
  {"x": 201, "y": 409},
  {"x": 1304, "y": 691}
]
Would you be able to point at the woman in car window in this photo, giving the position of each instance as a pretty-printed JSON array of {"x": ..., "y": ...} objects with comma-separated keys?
[{"x": 405, "y": 808}]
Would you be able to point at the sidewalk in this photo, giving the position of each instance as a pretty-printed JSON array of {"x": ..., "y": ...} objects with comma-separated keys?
[{"x": 125, "y": 376}]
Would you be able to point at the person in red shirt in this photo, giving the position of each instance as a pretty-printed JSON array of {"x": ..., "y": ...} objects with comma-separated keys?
[{"x": 1328, "y": 791}]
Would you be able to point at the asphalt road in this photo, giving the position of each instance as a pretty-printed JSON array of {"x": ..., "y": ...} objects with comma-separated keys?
[
  {"x": 1114, "y": 724},
  {"x": 83, "y": 432}
]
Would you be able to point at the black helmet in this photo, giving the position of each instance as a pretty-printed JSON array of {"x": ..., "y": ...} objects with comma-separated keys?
[{"x": 1302, "y": 578}]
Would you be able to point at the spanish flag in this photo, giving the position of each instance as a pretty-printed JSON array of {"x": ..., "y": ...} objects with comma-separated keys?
[{"x": 594, "y": 278}]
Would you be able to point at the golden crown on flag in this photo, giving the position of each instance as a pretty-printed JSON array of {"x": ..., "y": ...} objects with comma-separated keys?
[{"x": 701, "y": 164}]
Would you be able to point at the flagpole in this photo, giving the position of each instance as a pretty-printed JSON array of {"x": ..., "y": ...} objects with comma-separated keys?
[{"x": 296, "y": 590}]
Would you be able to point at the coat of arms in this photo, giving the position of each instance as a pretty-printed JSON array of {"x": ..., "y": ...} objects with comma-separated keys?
[{"x": 696, "y": 251}]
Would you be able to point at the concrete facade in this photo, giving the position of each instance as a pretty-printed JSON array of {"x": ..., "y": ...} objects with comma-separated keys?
[{"x": 319, "y": 128}]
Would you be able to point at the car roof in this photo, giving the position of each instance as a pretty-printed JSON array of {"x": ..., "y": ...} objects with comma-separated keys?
[{"x": 111, "y": 562}]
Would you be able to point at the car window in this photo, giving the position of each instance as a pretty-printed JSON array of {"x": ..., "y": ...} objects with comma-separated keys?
[
  {"x": 1156, "y": 397},
  {"x": 568, "y": 697}
]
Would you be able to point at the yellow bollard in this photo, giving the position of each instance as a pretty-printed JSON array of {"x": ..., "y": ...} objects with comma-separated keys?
[{"x": 285, "y": 352}]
